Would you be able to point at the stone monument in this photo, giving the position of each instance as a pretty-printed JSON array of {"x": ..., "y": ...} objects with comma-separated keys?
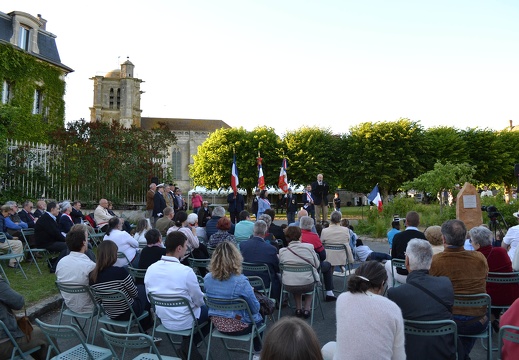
[{"x": 468, "y": 206}]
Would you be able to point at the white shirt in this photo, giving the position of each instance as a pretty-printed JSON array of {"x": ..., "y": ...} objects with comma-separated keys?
[
  {"x": 141, "y": 237},
  {"x": 74, "y": 269},
  {"x": 125, "y": 244},
  {"x": 512, "y": 238},
  {"x": 169, "y": 277}
]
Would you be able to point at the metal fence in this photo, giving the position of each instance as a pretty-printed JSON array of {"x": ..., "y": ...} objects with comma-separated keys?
[{"x": 40, "y": 171}]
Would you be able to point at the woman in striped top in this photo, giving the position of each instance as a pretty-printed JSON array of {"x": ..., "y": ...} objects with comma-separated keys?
[{"x": 106, "y": 276}]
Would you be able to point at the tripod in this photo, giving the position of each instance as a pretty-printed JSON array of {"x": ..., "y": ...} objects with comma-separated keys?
[{"x": 497, "y": 226}]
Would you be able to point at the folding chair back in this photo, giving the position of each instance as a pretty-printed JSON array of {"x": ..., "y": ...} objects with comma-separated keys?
[
  {"x": 171, "y": 301},
  {"x": 7, "y": 254},
  {"x": 433, "y": 328},
  {"x": 17, "y": 353},
  {"x": 133, "y": 341},
  {"x": 506, "y": 279},
  {"x": 258, "y": 285},
  {"x": 26, "y": 235},
  {"x": 254, "y": 269},
  {"x": 67, "y": 332},
  {"x": 347, "y": 266},
  {"x": 137, "y": 273},
  {"x": 79, "y": 290},
  {"x": 478, "y": 300},
  {"x": 396, "y": 264},
  {"x": 508, "y": 333}
]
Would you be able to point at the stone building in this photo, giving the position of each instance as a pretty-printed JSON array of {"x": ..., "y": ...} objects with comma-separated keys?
[{"x": 117, "y": 98}]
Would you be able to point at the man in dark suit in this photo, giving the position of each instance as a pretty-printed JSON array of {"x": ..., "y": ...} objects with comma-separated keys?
[
  {"x": 210, "y": 226},
  {"x": 236, "y": 205},
  {"x": 76, "y": 213},
  {"x": 204, "y": 214},
  {"x": 400, "y": 240},
  {"x": 257, "y": 250},
  {"x": 425, "y": 298},
  {"x": 291, "y": 206},
  {"x": 41, "y": 206},
  {"x": 47, "y": 231},
  {"x": 159, "y": 202},
  {"x": 320, "y": 190},
  {"x": 255, "y": 200},
  {"x": 26, "y": 214},
  {"x": 274, "y": 229},
  {"x": 308, "y": 202}
]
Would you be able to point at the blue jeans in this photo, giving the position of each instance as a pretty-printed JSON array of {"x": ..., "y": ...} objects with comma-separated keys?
[{"x": 469, "y": 325}]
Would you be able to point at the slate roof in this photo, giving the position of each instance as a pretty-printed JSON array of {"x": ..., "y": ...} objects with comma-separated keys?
[{"x": 184, "y": 124}]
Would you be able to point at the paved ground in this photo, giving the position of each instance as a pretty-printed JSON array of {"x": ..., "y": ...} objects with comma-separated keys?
[{"x": 325, "y": 328}]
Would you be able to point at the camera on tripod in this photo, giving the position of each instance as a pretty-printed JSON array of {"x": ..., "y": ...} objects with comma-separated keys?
[{"x": 492, "y": 211}]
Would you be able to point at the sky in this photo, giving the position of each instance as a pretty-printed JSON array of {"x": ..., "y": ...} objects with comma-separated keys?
[{"x": 290, "y": 63}]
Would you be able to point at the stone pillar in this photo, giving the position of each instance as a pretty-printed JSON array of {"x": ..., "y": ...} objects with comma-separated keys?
[{"x": 468, "y": 206}]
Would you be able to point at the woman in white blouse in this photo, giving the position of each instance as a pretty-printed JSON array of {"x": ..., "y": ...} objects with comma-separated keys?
[{"x": 126, "y": 244}]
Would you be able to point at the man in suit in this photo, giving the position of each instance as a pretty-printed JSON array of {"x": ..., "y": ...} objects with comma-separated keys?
[
  {"x": 41, "y": 206},
  {"x": 26, "y": 214},
  {"x": 236, "y": 205},
  {"x": 320, "y": 190},
  {"x": 76, "y": 213},
  {"x": 433, "y": 303},
  {"x": 255, "y": 200},
  {"x": 210, "y": 226},
  {"x": 274, "y": 229},
  {"x": 400, "y": 240},
  {"x": 257, "y": 250},
  {"x": 159, "y": 202},
  {"x": 308, "y": 202},
  {"x": 291, "y": 206},
  {"x": 47, "y": 231},
  {"x": 204, "y": 214}
]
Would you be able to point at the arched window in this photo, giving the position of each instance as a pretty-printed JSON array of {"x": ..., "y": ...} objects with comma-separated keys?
[
  {"x": 176, "y": 163},
  {"x": 111, "y": 106}
]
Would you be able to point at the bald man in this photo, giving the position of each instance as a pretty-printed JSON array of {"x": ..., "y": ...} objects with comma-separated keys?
[
  {"x": 300, "y": 214},
  {"x": 101, "y": 214}
]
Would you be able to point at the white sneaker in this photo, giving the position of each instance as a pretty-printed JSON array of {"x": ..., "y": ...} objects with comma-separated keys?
[
  {"x": 338, "y": 273},
  {"x": 256, "y": 357}
]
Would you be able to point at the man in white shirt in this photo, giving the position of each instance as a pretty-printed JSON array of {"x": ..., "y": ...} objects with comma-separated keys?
[
  {"x": 169, "y": 277},
  {"x": 75, "y": 268}
]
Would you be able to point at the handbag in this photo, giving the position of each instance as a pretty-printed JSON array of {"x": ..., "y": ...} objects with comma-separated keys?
[
  {"x": 266, "y": 305},
  {"x": 24, "y": 323}
]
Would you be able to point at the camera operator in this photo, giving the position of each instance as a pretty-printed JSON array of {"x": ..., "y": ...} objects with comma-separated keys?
[{"x": 511, "y": 239}]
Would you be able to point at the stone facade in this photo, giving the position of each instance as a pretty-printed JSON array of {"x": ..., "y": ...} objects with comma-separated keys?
[{"x": 117, "y": 98}]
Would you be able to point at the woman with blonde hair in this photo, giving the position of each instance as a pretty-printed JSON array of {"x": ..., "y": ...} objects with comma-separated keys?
[
  {"x": 433, "y": 234},
  {"x": 226, "y": 281},
  {"x": 140, "y": 232}
]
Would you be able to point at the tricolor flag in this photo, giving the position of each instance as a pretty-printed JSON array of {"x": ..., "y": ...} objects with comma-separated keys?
[
  {"x": 283, "y": 181},
  {"x": 234, "y": 175},
  {"x": 374, "y": 197},
  {"x": 261, "y": 178}
]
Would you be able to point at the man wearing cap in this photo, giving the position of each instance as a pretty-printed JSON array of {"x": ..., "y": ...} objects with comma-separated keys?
[
  {"x": 159, "y": 202},
  {"x": 511, "y": 239},
  {"x": 291, "y": 206}
]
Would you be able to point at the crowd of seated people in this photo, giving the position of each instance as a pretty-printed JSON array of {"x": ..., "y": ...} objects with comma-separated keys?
[{"x": 448, "y": 268}]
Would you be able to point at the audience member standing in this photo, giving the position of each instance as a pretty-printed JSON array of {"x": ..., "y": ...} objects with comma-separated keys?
[
  {"x": 320, "y": 190},
  {"x": 149, "y": 200},
  {"x": 159, "y": 203},
  {"x": 196, "y": 201}
]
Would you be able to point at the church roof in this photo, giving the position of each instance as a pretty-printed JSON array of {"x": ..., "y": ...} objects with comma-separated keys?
[{"x": 184, "y": 124}]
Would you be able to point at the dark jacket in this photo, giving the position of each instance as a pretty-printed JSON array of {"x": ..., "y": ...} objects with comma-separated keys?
[
  {"x": 236, "y": 205},
  {"x": 210, "y": 227},
  {"x": 9, "y": 299},
  {"x": 37, "y": 213},
  {"x": 24, "y": 216},
  {"x": 255, "y": 205},
  {"x": 418, "y": 305},
  {"x": 291, "y": 203},
  {"x": 159, "y": 204},
  {"x": 400, "y": 241},
  {"x": 204, "y": 215},
  {"x": 257, "y": 250},
  {"x": 320, "y": 192},
  {"x": 77, "y": 216},
  {"x": 47, "y": 231},
  {"x": 65, "y": 223}
]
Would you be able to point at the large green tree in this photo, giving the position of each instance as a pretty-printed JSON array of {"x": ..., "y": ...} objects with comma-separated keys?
[
  {"x": 444, "y": 144},
  {"x": 311, "y": 151},
  {"x": 213, "y": 161},
  {"x": 483, "y": 153},
  {"x": 387, "y": 153}
]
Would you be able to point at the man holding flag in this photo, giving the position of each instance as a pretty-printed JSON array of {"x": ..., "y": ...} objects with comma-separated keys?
[
  {"x": 374, "y": 197},
  {"x": 235, "y": 199},
  {"x": 283, "y": 180},
  {"x": 261, "y": 178}
]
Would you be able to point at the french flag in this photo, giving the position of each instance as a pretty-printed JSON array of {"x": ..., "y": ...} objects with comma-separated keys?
[
  {"x": 374, "y": 197},
  {"x": 283, "y": 181},
  {"x": 234, "y": 175},
  {"x": 261, "y": 178}
]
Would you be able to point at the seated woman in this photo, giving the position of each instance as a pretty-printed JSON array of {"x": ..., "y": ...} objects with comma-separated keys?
[
  {"x": 125, "y": 243},
  {"x": 226, "y": 281},
  {"x": 107, "y": 276},
  {"x": 126, "y": 224},
  {"x": 10, "y": 300},
  {"x": 140, "y": 232},
  {"x": 195, "y": 249},
  {"x": 291, "y": 339},
  {"x": 368, "y": 338},
  {"x": 298, "y": 253},
  {"x": 433, "y": 234},
  {"x": 153, "y": 251},
  {"x": 498, "y": 261},
  {"x": 65, "y": 221},
  {"x": 223, "y": 225}
]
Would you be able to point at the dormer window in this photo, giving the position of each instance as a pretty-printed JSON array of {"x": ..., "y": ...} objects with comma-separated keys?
[{"x": 23, "y": 38}]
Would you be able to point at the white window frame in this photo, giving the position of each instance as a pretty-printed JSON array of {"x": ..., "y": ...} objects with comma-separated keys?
[
  {"x": 24, "y": 37},
  {"x": 6, "y": 92},
  {"x": 37, "y": 106}
]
